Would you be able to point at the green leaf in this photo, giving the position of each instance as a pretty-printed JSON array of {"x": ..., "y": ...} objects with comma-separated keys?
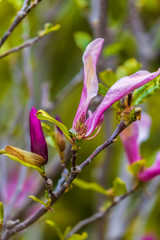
[
  {"x": 42, "y": 115},
  {"x": 82, "y": 236},
  {"x": 1, "y": 215},
  {"x": 90, "y": 186},
  {"x": 1, "y": 212},
  {"x": 119, "y": 187},
  {"x": 141, "y": 94},
  {"x": 51, "y": 138},
  {"x": 48, "y": 28},
  {"x": 38, "y": 200},
  {"x": 67, "y": 230},
  {"x": 108, "y": 77},
  {"x": 102, "y": 89},
  {"x": 136, "y": 167},
  {"x": 82, "y": 39},
  {"x": 106, "y": 205},
  {"x": 132, "y": 65},
  {"x": 112, "y": 49},
  {"x": 129, "y": 67},
  {"x": 56, "y": 227},
  {"x": 81, "y": 3}
]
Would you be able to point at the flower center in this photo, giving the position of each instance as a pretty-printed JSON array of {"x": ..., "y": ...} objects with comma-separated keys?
[{"x": 81, "y": 126}]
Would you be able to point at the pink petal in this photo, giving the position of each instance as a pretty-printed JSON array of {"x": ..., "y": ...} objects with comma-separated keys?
[
  {"x": 90, "y": 82},
  {"x": 134, "y": 135},
  {"x": 151, "y": 172},
  {"x": 120, "y": 89},
  {"x": 144, "y": 126},
  {"x": 129, "y": 138}
]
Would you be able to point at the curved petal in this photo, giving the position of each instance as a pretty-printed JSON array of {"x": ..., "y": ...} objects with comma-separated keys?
[
  {"x": 151, "y": 172},
  {"x": 129, "y": 138},
  {"x": 90, "y": 82},
  {"x": 120, "y": 89}
]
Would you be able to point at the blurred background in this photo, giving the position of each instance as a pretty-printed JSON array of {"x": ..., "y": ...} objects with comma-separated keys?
[{"x": 49, "y": 75}]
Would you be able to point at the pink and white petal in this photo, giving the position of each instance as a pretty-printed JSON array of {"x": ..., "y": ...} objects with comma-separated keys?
[
  {"x": 144, "y": 126},
  {"x": 151, "y": 172},
  {"x": 120, "y": 89},
  {"x": 129, "y": 138},
  {"x": 90, "y": 82}
]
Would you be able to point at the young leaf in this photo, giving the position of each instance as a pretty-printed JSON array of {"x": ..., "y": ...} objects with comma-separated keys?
[
  {"x": 67, "y": 230},
  {"x": 82, "y": 236},
  {"x": 136, "y": 167},
  {"x": 102, "y": 90},
  {"x": 119, "y": 187},
  {"x": 112, "y": 49},
  {"x": 1, "y": 215},
  {"x": 37, "y": 200},
  {"x": 46, "y": 204},
  {"x": 42, "y": 115},
  {"x": 129, "y": 67},
  {"x": 48, "y": 27},
  {"x": 56, "y": 227},
  {"x": 141, "y": 94},
  {"x": 90, "y": 186},
  {"x": 51, "y": 138},
  {"x": 82, "y": 39},
  {"x": 108, "y": 77}
]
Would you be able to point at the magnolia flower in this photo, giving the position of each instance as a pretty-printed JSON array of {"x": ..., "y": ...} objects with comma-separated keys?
[
  {"x": 132, "y": 137},
  {"x": 84, "y": 126}
]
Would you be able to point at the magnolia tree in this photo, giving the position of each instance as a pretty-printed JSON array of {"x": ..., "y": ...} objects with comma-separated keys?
[{"x": 33, "y": 188}]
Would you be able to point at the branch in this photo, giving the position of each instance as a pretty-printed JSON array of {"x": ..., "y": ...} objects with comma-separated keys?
[
  {"x": 56, "y": 195},
  {"x": 98, "y": 17},
  {"x": 101, "y": 214},
  {"x": 19, "y": 17},
  {"x": 27, "y": 43}
]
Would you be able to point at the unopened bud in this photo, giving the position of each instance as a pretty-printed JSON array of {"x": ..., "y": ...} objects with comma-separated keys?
[
  {"x": 25, "y": 156},
  {"x": 60, "y": 141},
  {"x": 138, "y": 111}
]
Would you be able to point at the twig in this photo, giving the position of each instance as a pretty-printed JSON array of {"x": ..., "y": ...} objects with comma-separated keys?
[
  {"x": 143, "y": 40},
  {"x": 19, "y": 17},
  {"x": 101, "y": 214},
  {"x": 56, "y": 195},
  {"x": 73, "y": 160},
  {"x": 27, "y": 43},
  {"x": 62, "y": 179},
  {"x": 118, "y": 130},
  {"x": 98, "y": 17}
]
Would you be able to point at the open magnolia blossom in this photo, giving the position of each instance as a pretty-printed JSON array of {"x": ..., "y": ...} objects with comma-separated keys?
[
  {"x": 84, "y": 126},
  {"x": 132, "y": 137},
  {"x": 39, "y": 152}
]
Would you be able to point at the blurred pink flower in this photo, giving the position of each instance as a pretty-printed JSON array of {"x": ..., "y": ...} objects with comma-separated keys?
[
  {"x": 132, "y": 137},
  {"x": 149, "y": 237}
]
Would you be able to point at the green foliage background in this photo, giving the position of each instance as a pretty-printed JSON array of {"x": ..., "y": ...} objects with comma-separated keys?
[{"x": 55, "y": 60}]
